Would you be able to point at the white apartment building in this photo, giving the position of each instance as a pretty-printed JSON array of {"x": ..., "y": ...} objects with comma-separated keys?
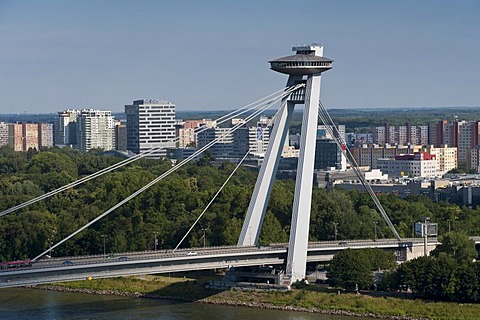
[
  {"x": 95, "y": 130},
  {"x": 65, "y": 132},
  {"x": 150, "y": 127},
  {"x": 45, "y": 135},
  {"x": 3, "y": 134}
]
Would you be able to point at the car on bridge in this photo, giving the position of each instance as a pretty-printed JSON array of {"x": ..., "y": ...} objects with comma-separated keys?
[
  {"x": 67, "y": 263},
  {"x": 191, "y": 253},
  {"x": 123, "y": 259}
]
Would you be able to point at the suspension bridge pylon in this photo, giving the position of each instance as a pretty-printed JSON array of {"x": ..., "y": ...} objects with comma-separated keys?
[{"x": 306, "y": 66}]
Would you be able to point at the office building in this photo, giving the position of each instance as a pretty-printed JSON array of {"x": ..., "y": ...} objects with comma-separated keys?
[
  {"x": 420, "y": 164},
  {"x": 150, "y": 127},
  {"x": 250, "y": 139},
  {"x": 366, "y": 155},
  {"x": 328, "y": 155},
  {"x": 224, "y": 146}
]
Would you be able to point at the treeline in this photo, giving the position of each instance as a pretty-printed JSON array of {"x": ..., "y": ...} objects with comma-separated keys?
[
  {"x": 168, "y": 209},
  {"x": 451, "y": 273}
]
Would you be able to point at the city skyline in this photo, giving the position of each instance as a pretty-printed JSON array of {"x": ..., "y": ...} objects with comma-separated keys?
[{"x": 213, "y": 55}]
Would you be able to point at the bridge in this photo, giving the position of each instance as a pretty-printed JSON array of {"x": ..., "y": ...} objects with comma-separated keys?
[
  {"x": 303, "y": 87},
  {"x": 165, "y": 261}
]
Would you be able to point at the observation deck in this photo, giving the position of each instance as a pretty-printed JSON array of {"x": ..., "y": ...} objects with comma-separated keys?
[{"x": 306, "y": 61}]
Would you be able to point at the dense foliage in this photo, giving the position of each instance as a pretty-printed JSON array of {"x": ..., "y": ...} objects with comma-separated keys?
[
  {"x": 352, "y": 269},
  {"x": 438, "y": 277},
  {"x": 168, "y": 209},
  {"x": 451, "y": 273}
]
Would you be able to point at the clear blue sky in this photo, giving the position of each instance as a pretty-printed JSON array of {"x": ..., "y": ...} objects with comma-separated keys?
[{"x": 213, "y": 54}]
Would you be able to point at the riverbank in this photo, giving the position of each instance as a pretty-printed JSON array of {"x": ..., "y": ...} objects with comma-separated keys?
[{"x": 309, "y": 299}]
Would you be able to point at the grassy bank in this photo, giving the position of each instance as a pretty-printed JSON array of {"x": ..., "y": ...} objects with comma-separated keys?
[{"x": 309, "y": 298}]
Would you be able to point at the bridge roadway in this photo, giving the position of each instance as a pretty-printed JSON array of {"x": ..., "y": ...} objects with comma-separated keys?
[{"x": 48, "y": 270}]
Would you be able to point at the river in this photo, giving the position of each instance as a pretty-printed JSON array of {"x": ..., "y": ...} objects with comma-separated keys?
[{"x": 19, "y": 303}]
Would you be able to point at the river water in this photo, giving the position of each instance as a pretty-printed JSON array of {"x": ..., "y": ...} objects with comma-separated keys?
[{"x": 17, "y": 304}]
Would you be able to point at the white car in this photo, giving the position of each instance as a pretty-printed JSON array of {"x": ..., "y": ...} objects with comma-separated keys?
[{"x": 191, "y": 253}]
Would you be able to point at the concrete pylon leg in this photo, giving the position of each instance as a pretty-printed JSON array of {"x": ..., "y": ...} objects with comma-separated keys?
[
  {"x": 297, "y": 248},
  {"x": 263, "y": 187}
]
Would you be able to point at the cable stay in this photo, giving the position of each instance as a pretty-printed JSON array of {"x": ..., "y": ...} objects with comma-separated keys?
[
  {"x": 212, "y": 200},
  {"x": 227, "y": 117},
  {"x": 174, "y": 168},
  {"x": 339, "y": 140}
]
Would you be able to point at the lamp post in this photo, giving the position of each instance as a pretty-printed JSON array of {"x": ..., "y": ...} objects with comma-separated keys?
[
  {"x": 449, "y": 221},
  {"x": 375, "y": 230},
  {"x": 250, "y": 235},
  {"x": 425, "y": 237},
  {"x": 203, "y": 229},
  {"x": 335, "y": 224},
  {"x": 104, "y": 252},
  {"x": 155, "y": 240}
]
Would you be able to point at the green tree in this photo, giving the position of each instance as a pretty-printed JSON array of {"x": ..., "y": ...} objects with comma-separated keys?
[
  {"x": 350, "y": 269},
  {"x": 457, "y": 245}
]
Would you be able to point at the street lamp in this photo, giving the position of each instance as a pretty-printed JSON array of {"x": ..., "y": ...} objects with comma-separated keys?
[
  {"x": 335, "y": 224},
  {"x": 155, "y": 240},
  {"x": 375, "y": 230},
  {"x": 203, "y": 229},
  {"x": 425, "y": 236},
  {"x": 250, "y": 235},
  {"x": 104, "y": 254}
]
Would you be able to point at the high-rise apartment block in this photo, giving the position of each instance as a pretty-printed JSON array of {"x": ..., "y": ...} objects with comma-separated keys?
[
  {"x": 95, "y": 130},
  {"x": 403, "y": 135},
  {"x": 3, "y": 134},
  {"x": 45, "y": 135},
  {"x": 464, "y": 135},
  {"x": 65, "y": 128},
  {"x": 15, "y": 136},
  {"x": 120, "y": 135},
  {"x": 30, "y": 136},
  {"x": 150, "y": 125},
  {"x": 24, "y": 136}
]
